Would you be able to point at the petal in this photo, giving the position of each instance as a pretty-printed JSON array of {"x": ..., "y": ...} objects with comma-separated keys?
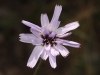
[
  {"x": 37, "y": 41},
  {"x": 58, "y": 41},
  {"x": 53, "y": 26},
  {"x": 52, "y": 35},
  {"x": 52, "y": 61},
  {"x": 63, "y": 35},
  {"x": 57, "y": 11},
  {"x": 27, "y": 38},
  {"x": 54, "y": 52},
  {"x": 44, "y": 20},
  {"x": 64, "y": 52},
  {"x": 35, "y": 32},
  {"x": 33, "y": 26},
  {"x": 44, "y": 55},
  {"x": 35, "y": 56},
  {"x": 68, "y": 27},
  {"x": 45, "y": 31},
  {"x": 47, "y": 47},
  {"x": 69, "y": 43}
]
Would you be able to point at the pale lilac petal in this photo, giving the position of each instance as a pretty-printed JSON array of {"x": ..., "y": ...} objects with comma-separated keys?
[
  {"x": 33, "y": 26},
  {"x": 45, "y": 31},
  {"x": 52, "y": 61},
  {"x": 44, "y": 20},
  {"x": 44, "y": 55},
  {"x": 58, "y": 41},
  {"x": 67, "y": 28},
  {"x": 27, "y": 38},
  {"x": 54, "y": 52},
  {"x": 57, "y": 11},
  {"x": 68, "y": 43},
  {"x": 53, "y": 26},
  {"x": 52, "y": 35},
  {"x": 71, "y": 44},
  {"x": 35, "y": 32},
  {"x": 34, "y": 56},
  {"x": 47, "y": 47},
  {"x": 63, "y": 35},
  {"x": 64, "y": 52},
  {"x": 37, "y": 41}
]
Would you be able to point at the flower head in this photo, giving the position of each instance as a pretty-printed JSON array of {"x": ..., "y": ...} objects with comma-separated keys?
[{"x": 48, "y": 38}]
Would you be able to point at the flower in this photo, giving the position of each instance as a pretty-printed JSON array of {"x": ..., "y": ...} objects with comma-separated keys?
[{"x": 48, "y": 38}]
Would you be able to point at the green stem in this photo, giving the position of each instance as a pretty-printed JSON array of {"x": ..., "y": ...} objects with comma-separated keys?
[{"x": 37, "y": 67}]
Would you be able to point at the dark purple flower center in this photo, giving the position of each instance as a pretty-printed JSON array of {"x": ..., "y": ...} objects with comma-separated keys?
[{"x": 48, "y": 40}]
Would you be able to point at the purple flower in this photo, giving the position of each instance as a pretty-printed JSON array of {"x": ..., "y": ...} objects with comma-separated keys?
[{"x": 48, "y": 38}]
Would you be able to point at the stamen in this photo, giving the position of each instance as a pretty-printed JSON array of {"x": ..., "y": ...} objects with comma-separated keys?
[{"x": 48, "y": 40}]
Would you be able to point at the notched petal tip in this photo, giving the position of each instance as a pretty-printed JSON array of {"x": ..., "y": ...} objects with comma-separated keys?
[
  {"x": 29, "y": 66},
  {"x": 21, "y": 34},
  {"x": 66, "y": 54},
  {"x": 77, "y": 22},
  {"x": 52, "y": 61},
  {"x": 54, "y": 67},
  {"x": 26, "y": 38},
  {"x": 79, "y": 45},
  {"x": 57, "y": 5}
]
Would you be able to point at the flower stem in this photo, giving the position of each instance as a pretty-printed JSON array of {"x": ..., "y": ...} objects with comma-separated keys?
[{"x": 37, "y": 67}]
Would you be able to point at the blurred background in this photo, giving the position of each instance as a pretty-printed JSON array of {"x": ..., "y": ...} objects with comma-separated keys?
[{"x": 81, "y": 61}]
